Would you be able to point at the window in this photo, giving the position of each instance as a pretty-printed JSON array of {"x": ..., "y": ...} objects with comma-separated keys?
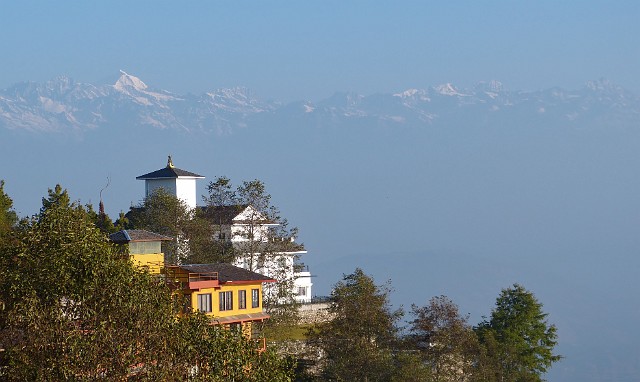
[
  {"x": 255, "y": 298},
  {"x": 302, "y": 291},
  {"x": 242, "y": 299},
  {"x": 144, "y": 247},
  {"x": 226, "y": 300},
  {"x": 204, "y": 302}
]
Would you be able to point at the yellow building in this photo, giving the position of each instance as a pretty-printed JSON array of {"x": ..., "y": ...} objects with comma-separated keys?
[
  {"x": 230, "y": 295},
  {"x": 144, "y": 248}
]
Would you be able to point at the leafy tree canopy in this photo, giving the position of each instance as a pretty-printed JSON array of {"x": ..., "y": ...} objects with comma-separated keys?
[
  {"x": 8, "y": 217},
  {"x": 164, "y": 213},
  {"x": 518, "y": 337},
  {"x": 359, "y": 339},
  {"x": 101, "y": 220},
  {"x": 221, "y": 193},
  {"x": 446, "y": 342},
  {"x": 258, "y": 243},
  {"x": 74, "y": 308}
]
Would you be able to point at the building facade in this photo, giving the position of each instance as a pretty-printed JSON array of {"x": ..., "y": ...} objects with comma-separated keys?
[
  {"x": 174, "y": 181},
  {"x": 259, "y": 250},
  {"x": 229, "y": 295},
  {"x": 248, "y": 230}
]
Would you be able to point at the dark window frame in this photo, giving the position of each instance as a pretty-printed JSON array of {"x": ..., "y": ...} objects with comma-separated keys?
[
  {"x": 242, "y": 299},
  {"x": 255, "y": 298},
  {"x": 205, "y": 302},
  {"x": 226, "y": 300}
]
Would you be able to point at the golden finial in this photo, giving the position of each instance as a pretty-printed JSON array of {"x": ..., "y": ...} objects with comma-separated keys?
[{"x": 169, "y": 162}]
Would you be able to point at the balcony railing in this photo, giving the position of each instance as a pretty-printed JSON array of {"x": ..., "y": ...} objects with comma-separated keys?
[
  {"x": 192, "y": 280},
  {"x": 203, "y": 280},
  {"x": 300, "y": 267},
  {"x": 208, "y": 276}
]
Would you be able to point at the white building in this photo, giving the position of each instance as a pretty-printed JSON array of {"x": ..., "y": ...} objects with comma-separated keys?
[
  {"x": 175, "y": 181},
  {"x": 251, "y": 235},
  {"x": 249, "y": 231}
]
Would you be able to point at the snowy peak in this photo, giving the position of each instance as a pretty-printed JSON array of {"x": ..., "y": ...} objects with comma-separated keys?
[
  {"x": 602, "y": 85},
  {"x": 65, "y": 105},
  {"x": 413, "y": 93},
  {"x": 492, "y": 86},
  {"x": 133, "y": 87},
  {"x": 448, "y": 89},
  {"x": 238, "y": 95},
  {"x": 127, "y": 82},
  {"x": 234, "y": 100}
]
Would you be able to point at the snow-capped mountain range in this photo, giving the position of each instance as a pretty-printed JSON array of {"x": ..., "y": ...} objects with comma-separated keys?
[{"x": 65, "y": 105}]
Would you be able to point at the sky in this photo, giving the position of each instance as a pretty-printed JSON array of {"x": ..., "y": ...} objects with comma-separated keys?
[
  {"x": 295, "y": 50},
  {"x": 556, "y": 209}
]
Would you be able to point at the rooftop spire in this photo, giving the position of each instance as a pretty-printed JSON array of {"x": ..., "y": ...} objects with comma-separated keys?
[
  {"x": 101, "y": 205},
  {"x": 169, "y": 162}
]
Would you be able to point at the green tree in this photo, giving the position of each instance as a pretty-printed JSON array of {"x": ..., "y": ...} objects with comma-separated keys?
[
  {"x": 517, "y": 337},
  {"x": 269, "y": 241},
  {"x": 122, "y": 222},
  {"x": 217, "y": 246},
  {"x": 445, "y": 340},
  {"x": 73, "y": 308},
  {"x": 225, "y": 355},
  {"x": 101, "y": 220},
  {"x": 167, "y": 215},
  {"x": 204, "y": 246},
  {"x": 264, "y": 244},
  {"x": 358, "y": 341},
  {"x": 56, "y": 197},
  {"x": 221, "y": 193},
  {"x": 193, "y": 234},
  {"x": 8, "y": 217}
]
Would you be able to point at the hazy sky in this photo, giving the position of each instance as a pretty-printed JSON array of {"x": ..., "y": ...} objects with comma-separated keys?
[
  {"x": 553, "y": 208},
  {"x": 290, "y": 50}
]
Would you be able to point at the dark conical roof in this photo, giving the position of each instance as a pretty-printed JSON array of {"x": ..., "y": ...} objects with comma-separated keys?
[{"x": 169, "y": 172}]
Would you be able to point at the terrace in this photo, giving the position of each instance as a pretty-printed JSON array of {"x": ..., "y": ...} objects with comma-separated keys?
[{"x": 192, "y": 280}]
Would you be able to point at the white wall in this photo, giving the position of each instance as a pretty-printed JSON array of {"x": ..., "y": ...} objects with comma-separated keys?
[
  {"x": 279, "y": 267},
  {"x": 186, "y": 190},
  {"x": 239, "y": 232},
  {"x": 182, "y": 188},
  {"x": 303, "y": 280},
  {"x": 151, "y": 185}
]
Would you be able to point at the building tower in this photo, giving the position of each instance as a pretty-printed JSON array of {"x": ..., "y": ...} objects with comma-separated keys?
[
  {"x": 175, "y": 181},
  {"x": 144, "y": 248}
]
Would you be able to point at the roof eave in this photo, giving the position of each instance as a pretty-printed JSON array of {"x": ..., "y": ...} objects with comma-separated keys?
[{"x": 247, "y": 282}]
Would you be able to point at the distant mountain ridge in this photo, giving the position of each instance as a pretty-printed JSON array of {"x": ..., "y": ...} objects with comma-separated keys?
[{"x": 62, "y": 104}]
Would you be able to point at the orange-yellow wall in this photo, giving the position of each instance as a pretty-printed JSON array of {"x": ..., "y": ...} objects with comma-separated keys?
[
  {"x": 152, "y": 261},
  {"x": 215, "y": 299}
]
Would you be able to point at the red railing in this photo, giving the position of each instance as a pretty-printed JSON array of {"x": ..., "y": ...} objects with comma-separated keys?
[
  {"x": 192, "y": 280},
  {"x": 207, "y": 276}
]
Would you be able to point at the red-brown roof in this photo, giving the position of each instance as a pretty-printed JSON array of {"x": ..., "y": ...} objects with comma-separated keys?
[{"x": 226, "y": 272}]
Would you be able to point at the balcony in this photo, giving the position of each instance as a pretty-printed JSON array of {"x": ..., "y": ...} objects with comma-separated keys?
[
  {"x": 192, "y": 280},
  {"x": 203, "y": 280}
]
